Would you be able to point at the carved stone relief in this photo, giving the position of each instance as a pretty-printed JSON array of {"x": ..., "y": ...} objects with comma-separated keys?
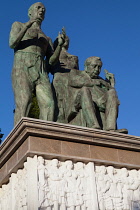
[
  {"x": 118, "y": 189},
  {"x": 13, "y": 196},
  {"x": 5, "y": 197},
  {"x": 65, "y": 185}
]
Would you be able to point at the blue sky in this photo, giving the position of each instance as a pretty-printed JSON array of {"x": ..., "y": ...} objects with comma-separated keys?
[{"x": 109, "y": 29}]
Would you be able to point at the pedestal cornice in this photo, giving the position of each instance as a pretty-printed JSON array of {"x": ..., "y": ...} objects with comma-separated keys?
[{"x": 37, "y": 137}]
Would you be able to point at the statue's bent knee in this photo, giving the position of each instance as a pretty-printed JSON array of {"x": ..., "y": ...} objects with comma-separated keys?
[
  {"x": 85, "y": 91},
  {"x": 112, "y": 92}
]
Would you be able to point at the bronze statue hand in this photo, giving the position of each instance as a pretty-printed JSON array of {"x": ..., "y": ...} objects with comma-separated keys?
[
  {"x": 29, "y": 23},
  {"x": 64, "y": 32},
  {"x": 61, "y": 39},
  {"x": 110, "y": 77}
]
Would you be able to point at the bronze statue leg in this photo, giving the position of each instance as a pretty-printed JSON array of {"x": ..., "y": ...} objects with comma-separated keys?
[
  {"x": 88, "y": 108},
  {"x": 23, "y": 94},
  {"x": 111, "y": 112},
  {"x": 45, "y": 101}
]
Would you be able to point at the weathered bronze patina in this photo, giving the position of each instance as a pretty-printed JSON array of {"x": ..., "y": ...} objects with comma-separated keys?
[
  {"x": 76, "y": 97},
  {"x": 67, "y": 63},
  {"x": 89, "y": 100},
  {"x": 33, "y": 54},
  {"x": 96, "y": 97}
]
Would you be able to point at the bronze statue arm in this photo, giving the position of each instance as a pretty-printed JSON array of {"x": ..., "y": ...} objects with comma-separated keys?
[
  {"x": 17, "y": 32},
  {"x": 76, "y": 82},
  {"x": 55, "y": 57},
  {"x": 79, "y": 81},
  {"x": 110, "y": 78}
]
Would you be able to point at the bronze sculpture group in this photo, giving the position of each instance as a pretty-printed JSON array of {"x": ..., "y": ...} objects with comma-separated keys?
[{"x": 76, "y": 97}]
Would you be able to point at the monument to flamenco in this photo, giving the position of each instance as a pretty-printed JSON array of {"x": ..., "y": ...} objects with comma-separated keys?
[{"x": 65, "y": 151}]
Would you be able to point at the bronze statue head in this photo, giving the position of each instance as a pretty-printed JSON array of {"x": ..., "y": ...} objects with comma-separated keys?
[
  {"x": 93, "y": 66},
  {"x": 37, "y": 11}
]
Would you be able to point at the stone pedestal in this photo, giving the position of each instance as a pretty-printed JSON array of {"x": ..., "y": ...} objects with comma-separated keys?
[{"x": 52, "y": 166}]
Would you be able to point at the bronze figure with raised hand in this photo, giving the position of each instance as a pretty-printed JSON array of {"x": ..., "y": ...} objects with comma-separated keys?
[
  {"x": 33, "y": 54},
  {"x": 67, "y": 63},
  {"x": 95, "y": 97}
]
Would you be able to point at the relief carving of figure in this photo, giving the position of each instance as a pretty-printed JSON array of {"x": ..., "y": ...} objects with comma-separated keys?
[
  {"x": 24, "y": 187},
  {"x": 83, "y": 190},
  {"x": 115, "y": 189},
  {"x": 133, "y": 189},
  {"x": 118, "y": 189},
  {"x": 70, "y": 178},
  {"x": 54, "y": 178},
  {"x": 14, "y": 188},
  {"x": 89, "y": 188},
  {"x": 42, "y": 185},
  {"x": 103, "y": 186},
  {"x": 5, "y": 201},
  {"x": 124, "y": 185}
]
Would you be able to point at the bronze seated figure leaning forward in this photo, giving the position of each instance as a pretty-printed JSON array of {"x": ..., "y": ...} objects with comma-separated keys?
[{"x": 88, "y": 100}]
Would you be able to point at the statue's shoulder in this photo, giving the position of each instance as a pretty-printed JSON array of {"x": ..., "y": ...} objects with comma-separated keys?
[
  {"x": 17, "y": 24},
  {"x": 78, "y": 73},
  {"x": 81, "y": 72},
  {"x": 49, "y": 39}
]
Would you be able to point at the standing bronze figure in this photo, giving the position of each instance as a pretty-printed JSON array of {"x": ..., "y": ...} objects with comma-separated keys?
[{"x": 33, "y": 54}]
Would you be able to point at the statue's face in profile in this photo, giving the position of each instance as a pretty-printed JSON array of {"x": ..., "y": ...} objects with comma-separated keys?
[
  {"x": 93, "y": 68},
  {"x": 37, "y": 12}
]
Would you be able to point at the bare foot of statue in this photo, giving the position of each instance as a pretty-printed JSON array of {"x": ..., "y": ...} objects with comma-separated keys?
[{"x": 123, "y": 130}]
